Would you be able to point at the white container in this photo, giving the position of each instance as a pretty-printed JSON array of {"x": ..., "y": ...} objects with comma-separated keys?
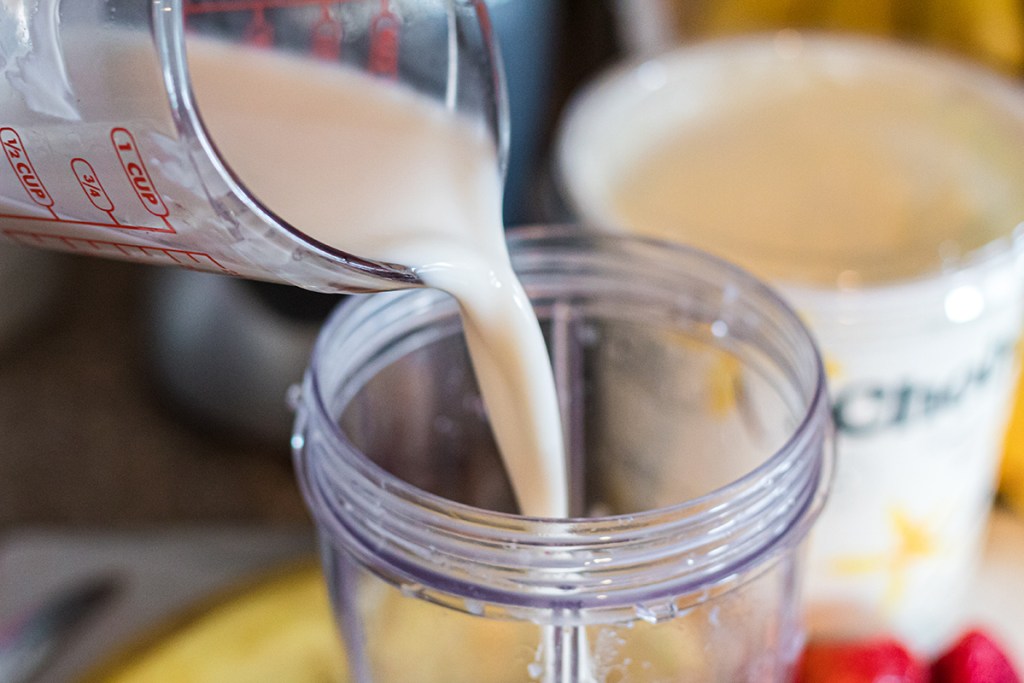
[{"x": 879, "y": 187}]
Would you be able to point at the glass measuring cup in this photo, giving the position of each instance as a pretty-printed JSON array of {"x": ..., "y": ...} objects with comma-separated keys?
[
  {"x": 108, "y": 153},
  {"x": 434, "y": 579}
]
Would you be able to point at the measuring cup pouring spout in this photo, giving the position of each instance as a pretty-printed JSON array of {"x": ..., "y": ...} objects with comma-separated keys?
[{"x": 110, "y": 149}]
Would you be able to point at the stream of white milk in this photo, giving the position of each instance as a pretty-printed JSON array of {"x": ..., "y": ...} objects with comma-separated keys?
[{"x": 377, "y": 171}]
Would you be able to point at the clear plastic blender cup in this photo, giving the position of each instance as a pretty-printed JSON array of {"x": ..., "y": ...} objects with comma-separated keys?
[
  {"x": 106, "y": 152},
  {"x": 434, "y": 578}
]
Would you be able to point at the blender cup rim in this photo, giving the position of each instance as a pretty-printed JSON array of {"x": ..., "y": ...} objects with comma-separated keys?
[
  {"x": 524, "y": 234},
  {"x": 795, "y": 477}
]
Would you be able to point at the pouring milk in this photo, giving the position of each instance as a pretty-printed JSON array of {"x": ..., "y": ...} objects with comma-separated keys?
[{"x": 399, "y": 179}]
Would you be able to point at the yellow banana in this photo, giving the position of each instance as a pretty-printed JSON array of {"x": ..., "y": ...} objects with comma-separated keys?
[
  {"x": 735, "y": 16},
  {"x": 997, "y": 29},
  {"x": 864, "y": 16},
  {"x": 1011, "y": 480},
  {"x": 990, "y": 31}
]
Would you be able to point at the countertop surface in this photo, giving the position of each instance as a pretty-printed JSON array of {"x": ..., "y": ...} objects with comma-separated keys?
[
  {"x": 160, "y": 574},
  {"x": 165, "y": 574},
  {"x": 88, "y": 440}
]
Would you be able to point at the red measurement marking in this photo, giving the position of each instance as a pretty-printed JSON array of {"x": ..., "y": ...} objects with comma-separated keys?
[
  {"x": 135, "y": 168},
  {"x": 193, "y": 260},
  {"x": 328, "y": 34},
  {"x": 484, "y": 18},
  {"x": 384, "y": 43},
  {"x": 259, "y": 32},
  {"x": 64, "y": 221},
  {"x": 23, "y": 168},
  {"x": 92, "y": 187}
]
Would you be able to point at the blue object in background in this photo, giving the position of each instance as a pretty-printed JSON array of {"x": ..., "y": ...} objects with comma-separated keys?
[{"x": 528, "y": 34}]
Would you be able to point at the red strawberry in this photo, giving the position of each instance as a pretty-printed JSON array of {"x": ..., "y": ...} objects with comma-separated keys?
[
  {"x": 869, "y": 661},
  {"x": 975, "y": 658}
]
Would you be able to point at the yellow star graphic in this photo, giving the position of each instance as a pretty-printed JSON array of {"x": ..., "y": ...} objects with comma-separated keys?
[
  {"x": 914, "y": 542},
  {"x": 833, "y": 368}
]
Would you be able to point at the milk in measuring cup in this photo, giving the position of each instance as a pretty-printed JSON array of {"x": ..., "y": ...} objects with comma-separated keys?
[{"x": 101, "y": 156}]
